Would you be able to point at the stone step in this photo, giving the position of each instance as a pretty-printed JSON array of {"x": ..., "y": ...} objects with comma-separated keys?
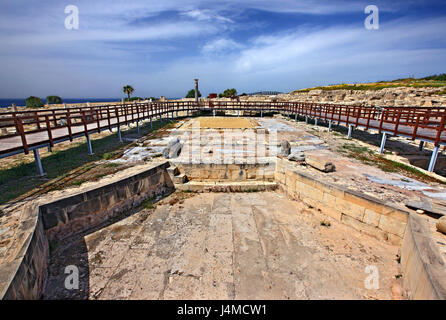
[
  {"x": 173, "y": 171},
  {"x": 180, "y": 179},
  {"x": 242, "y": 186}
]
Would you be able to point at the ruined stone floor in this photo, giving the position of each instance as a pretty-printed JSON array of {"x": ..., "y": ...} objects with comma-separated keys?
[{"x": 224, "y": 246}]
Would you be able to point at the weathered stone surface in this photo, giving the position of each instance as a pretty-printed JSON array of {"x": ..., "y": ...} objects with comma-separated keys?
[
  {"x": 320, "y": 163},
  {"x": 441, "y": 224},
  {"x": 224, "y": 246},
  {"x": 297, "y": 156},
  {"x": 175, "y": 150},
  {"x": 285, "y": 148}
]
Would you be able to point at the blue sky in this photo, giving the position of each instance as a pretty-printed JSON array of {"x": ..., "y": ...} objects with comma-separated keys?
[{"x": 159, "y": 47}]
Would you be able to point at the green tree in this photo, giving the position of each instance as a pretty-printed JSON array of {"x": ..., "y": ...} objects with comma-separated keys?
[
  {"x": 53, "y": 100},
  {"x": 34, "y": 102},
  {"x": 229, "y": 93},
  {"x": 128, "y": 90},
  {"x": 191, "y": 93}
]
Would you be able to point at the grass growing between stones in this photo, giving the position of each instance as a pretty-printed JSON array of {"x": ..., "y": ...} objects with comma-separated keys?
[
  {"x": 71, "y": 166},
  {"x": 367, "y": 156},
  {"x": 148, "y": 203}
]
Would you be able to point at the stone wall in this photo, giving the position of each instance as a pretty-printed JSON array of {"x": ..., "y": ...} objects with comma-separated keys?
[
  {"x": 357, "y": 210},
  {"x": 423, "y": 268},
  {"x": 227, "y": 172},
  {"x": 23, "y": 277},
  {"x": 23, "y": 274},
  {"x": 70, "y": 215},
  {"x": 387, "y": 97}
]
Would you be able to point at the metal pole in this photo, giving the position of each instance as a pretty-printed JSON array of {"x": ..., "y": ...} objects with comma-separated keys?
[
  {"x": 315, "y": 121},
  {"x": 295, "y": 117},
  {"x": 433, "y": 159},
  {"x": 90, "y": 149},
  {"x": 306, "y": 119},
  {"x": 119, "y": 134},
  {"x": 421, "y": 145},
  {"x": 350, "y": 129},
  {"x": 261, "y": 113},
  {"x": 38, "y": 163},
  {"x": 329, "y": 125},
  {"x": 383, "y": 143},
  {"x": 151, "y": 125}
]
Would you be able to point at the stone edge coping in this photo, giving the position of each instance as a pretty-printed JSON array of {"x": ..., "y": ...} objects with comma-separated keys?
[
  {"x": 424, "y": 269},
  {"x": 109, "y": 182},
  {"x": 262, "y": 161},
  {"x": 9, "y": 269},
  {"x": 341, "y": 188},
  {"x": 31, "y": 213}
]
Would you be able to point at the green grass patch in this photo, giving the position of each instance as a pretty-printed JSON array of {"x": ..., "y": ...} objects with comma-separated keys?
[
  {"x": 21, "y": 178},
  {"x": 356, "y": 149},
  {"x": 148, "y": 203},
  {"x": 99, "y": 176},
  {"x": 367, "y": 156},
  {"x": 107, "y": 156},
  {"x": 427, "y": 82},
  {"x": 111, "y": 165},
  {"x": 77, "y": 183}
]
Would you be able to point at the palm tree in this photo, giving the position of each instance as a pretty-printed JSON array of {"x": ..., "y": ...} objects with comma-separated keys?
[{"x": 128, "y": 90}]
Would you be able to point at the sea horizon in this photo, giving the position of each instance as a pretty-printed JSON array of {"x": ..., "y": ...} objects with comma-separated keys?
[{"x": 5, "y": 103}]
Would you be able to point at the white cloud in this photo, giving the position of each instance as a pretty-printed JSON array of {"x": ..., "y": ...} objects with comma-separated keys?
[
  {"x": 297, "y": 49},
  {"x": 207, "y": 15},
  {"x": 222, "y": 45},
  {"x": 110, "y": 48}
]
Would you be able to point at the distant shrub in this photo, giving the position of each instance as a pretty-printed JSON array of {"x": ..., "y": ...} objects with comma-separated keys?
[
  {"x": 133, "y": 99},
  {"x": 191, "y": 94},
  {"x": 228, "y": 93},
  {"x": 439, "y": 77},
  {"x": 54, "y": 100},
  {"x": 34, "y": 102}
]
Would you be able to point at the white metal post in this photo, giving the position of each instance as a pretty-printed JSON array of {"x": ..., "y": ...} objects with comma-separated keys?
[
  {"x": 433, "y": 159},
  {"x": 383, "y": 143},
  {"x": 350, "y": 129},
  {"x": 38, "y": 162},
  {"x": 90, "y": 149}
]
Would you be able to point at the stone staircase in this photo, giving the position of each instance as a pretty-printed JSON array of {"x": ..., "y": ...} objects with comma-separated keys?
[
  {"x": 176, "y": 176},
  {"x": 182, "y": 182}
]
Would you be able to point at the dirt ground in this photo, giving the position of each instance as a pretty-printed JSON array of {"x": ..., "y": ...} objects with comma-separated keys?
[
  {"x": 224, "y": 123},
  {"x": 225, "y": 246}
]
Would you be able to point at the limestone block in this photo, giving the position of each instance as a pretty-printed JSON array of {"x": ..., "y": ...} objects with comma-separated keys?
[
  {"x": 297, "y": 156},
  {"x": 329, "y": 200},
  {"x": 350, "y": 209},
  {"x": 285, "y": 148},
  {"x": 441, "y": 224},
  {"x": 371, "y": 217},
  {"x": 367, "y": 229},
  {"x": 320, "y": 163},
  {"x": 175, "y": 150},
  {"x": 313, "y": 193},
  {"x": 392, "y": 225}
]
